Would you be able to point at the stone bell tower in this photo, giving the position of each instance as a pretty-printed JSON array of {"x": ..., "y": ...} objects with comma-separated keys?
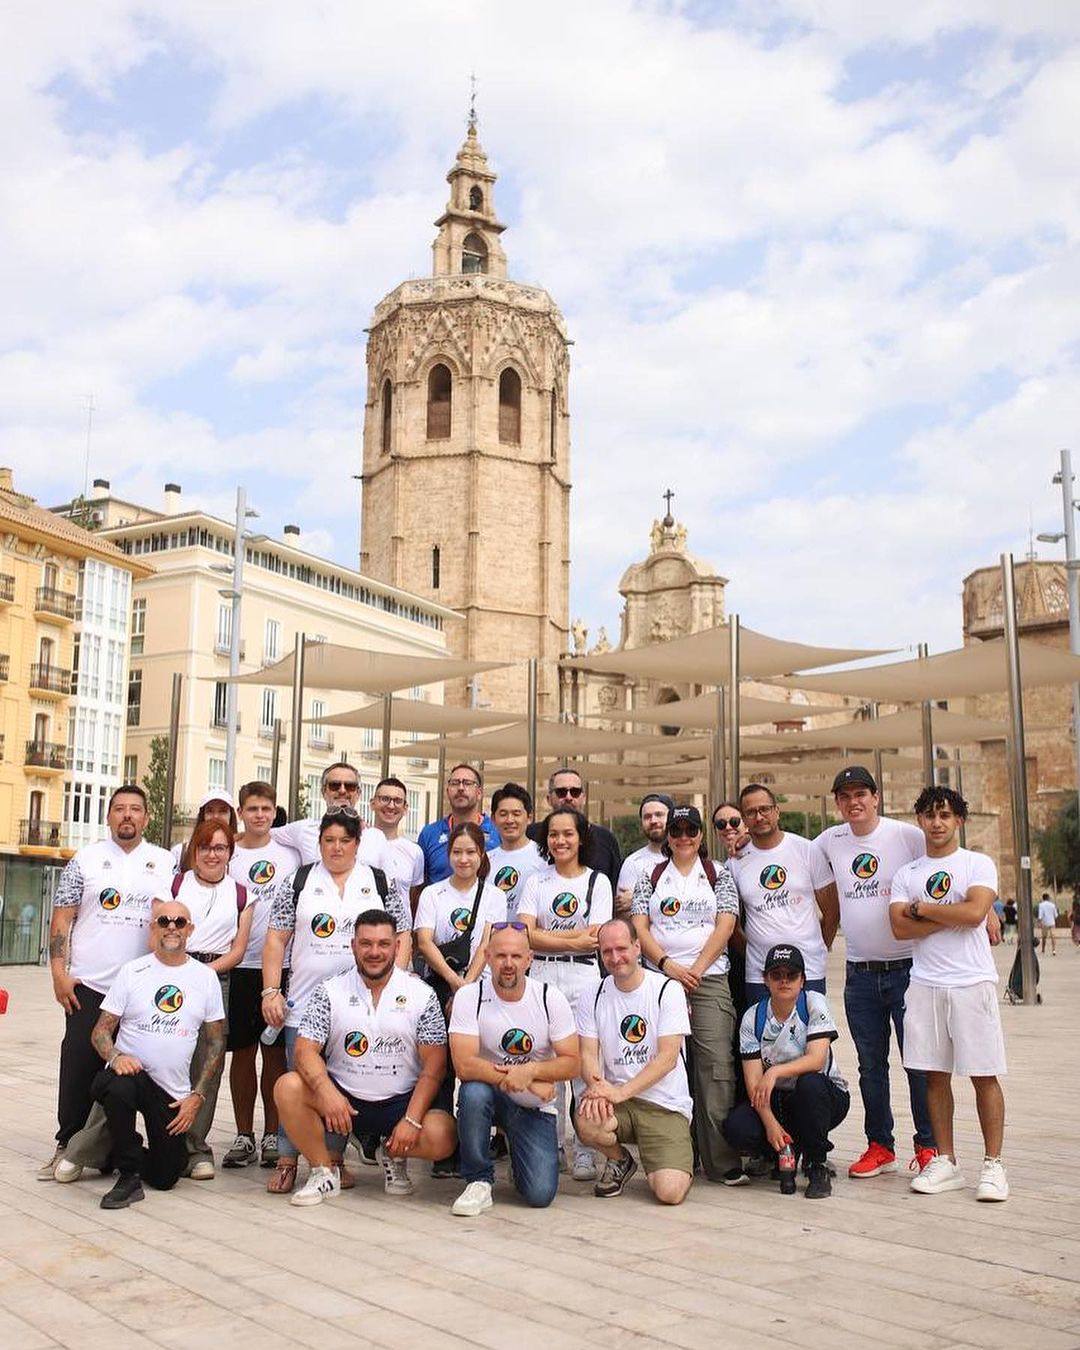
[{"x": 466, "y": 453}]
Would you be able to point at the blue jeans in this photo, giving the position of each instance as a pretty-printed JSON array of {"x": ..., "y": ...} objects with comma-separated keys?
[
  {"x": 873, "y": 998},
  {"x": 531, "y": 1134},
  {"x": 286, "y": 1148},
  {"x": 756, "y": 992}
]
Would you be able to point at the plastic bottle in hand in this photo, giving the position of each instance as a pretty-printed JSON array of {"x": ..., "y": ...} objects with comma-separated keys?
[
  {"x": 785, "y": 1162},
  {"x": 270, "y": 1035}
]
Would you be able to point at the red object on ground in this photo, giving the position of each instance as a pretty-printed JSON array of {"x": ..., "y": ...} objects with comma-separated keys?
[{"x": 3, "y": 1000}]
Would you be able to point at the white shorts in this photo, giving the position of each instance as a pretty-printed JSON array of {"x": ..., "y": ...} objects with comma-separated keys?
[{"x": 954, "y": 1030}]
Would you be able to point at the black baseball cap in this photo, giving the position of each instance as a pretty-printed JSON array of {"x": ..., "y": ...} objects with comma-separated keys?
[
  {"x": 788, "y": 957},
  {"x": 660, "y": 797},
  {"x": 855, "y": 776},
  {"x": 685, "y": 815}
]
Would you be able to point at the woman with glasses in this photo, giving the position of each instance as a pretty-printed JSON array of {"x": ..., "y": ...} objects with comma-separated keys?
[
  {"x": 218, "y": 937},
  {"x": 684, "y": 912},
  {"x": 215, "y": 805},
  {"x": 562, "y": 909},
  {"x": 317, "y": 908}
]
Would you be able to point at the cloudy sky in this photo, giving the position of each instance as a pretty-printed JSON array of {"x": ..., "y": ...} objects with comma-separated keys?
[{"x": 818, "y": 257}]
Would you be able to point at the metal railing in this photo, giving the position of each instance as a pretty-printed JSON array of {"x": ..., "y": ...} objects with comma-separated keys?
[
  {"x": 46, "y": 754},
  {"x": 318, "y": 740},
  {"x": 40, "y": 833},
  {"x": 49, "y": 600},
  {"x": 5, "y": 667},
  {"x": 52, "y": 678},
  {"x": 220, "y": 721},
  {"x": 7, "y": 588},
  {"x": 134, "y": 714}
]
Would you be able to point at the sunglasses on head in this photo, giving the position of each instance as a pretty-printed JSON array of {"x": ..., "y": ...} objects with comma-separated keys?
[
  {"x": 340, "y": 785},
  {"x": 568, "y": 792},
  {"x": 340, "y": 809},
  {"x": 515, "y": 924},
  {"x": 681, "y": 831},
  {"x": 176, "y": 921},
  {"x": 727, "y": 822}
]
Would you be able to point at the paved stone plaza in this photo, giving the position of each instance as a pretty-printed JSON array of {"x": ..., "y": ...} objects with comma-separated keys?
[{"x": 224, "y": 1263}]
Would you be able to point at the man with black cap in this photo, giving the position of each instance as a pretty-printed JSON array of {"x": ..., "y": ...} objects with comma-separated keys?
[
  {"x": 796, "y": 1092},
  {"x": 865, "y": 852},
  {"x": 653, "y": 813}
]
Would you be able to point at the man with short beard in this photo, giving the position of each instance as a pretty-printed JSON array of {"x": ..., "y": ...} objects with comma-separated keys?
[
  {"x": 340, "y": 792},
  {"x": 654, "y": 811},
  {"x": 512, "y": 1039}
]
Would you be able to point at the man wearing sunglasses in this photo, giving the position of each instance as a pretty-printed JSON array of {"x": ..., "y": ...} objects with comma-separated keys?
[
  {"x": 465, "y": 793},
  {"x": 146, "y": 1033},
  {"x": 566, "y": 787},
  {"x": 101, "y": 912},
  {"x": 341, "y": 793}
]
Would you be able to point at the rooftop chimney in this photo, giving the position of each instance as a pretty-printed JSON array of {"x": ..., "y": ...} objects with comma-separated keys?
[
  {"x": 101, "y": 487},
  {"x": 172, "y": 498},
  {"x": 293, "y": 530}
]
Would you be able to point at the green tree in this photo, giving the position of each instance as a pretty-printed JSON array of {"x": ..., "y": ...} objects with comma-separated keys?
[
  {"x": 627, "y": 830},
  {"x": 154, "y": 784},
  {"x": 1058, "y": 847},
  {"x": 303, "y": 801}
]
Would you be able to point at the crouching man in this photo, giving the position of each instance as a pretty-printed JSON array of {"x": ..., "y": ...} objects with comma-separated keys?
[{"x": 370, "y": 1055}]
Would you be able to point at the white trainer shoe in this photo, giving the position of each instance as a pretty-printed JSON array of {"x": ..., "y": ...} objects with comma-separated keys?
[
  {"x": 47, "y": 1171},
  {"x": 67, "y": 1171},
  {"x": 473, "y": 1200},
  {"x": 395, "y": 1174},
  {"x": 323, "y": 1183},
  {"x": 993, "y": 1183},
  {"x": 203, "y": 1170},
  {"x": 584, "y": 1168},
  {"x": 939, "y": 1174}
]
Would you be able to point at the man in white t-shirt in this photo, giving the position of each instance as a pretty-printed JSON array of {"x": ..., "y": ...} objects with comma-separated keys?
[
  {"x": 512, "y": 1039},
  {"x": 340, "y": 792},
  {"x": 1048, "y": 915},
  {"x": 633, "y": 1034},
  {"x": 653, "y": 812},
  {"x": 100, "y": 920},
  {"x": 146, "y": 1033},
  {"x": 405, "y": 860},
  {"x": 783, "y": 881},
  {"x": 864, "y": 854},
  {"x": 517, "y": 857},
  {"x": 952, "y": 1024}
]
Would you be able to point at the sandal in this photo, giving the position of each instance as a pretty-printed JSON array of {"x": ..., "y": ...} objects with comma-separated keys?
[
  {"x": 283, "y": 1178},
  {"x": 348, "y": 1181}
]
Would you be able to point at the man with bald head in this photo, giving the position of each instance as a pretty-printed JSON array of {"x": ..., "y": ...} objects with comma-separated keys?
[
  {"x": 512, "y": 1039},
  {"x": 146, "y": 1033}
]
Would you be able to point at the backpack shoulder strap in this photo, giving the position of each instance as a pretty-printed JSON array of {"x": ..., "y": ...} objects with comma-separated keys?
[
  {"x": 599, "y": 991},
  {"x": 241, "y": 898},
  {"x": 761, "y": 1012},
  {"x": 177, "y": 882},
  {"x": 710, "y": 871},
  {"x": 588, "y": 893},
  {"x": 657, "y": 873},
  {"x": 480, "y": 995},
  {"x": 299, "y": 880},
  {"x": 545, "y": 989},
  {"x": 381, "y": 884}
]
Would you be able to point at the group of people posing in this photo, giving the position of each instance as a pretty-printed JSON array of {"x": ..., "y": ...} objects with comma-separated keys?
[{"x": 513, "y": 986}]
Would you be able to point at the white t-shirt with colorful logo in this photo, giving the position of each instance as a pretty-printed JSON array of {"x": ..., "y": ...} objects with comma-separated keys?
[
  {"x": 682, "y": 911},
  {"x": 258, "y": 870},
  {"x": 404, "y": 862},
  {"x": 863, "y": 867},
  {"x": 952, "y": 957},
  {"x": 372, "y": 1049},
  {"x": 638, "y": 864},
  {"x": 776, "y": 887},
  {"x": 521, "y": 1031},
  {"x": 782, "y": 1041},
  {"x": 511, "y": 868},
  {"x": 215, "y": 913},
  {"x": 562, "y": 904},
  {"x": 446, "y": 910},
  {"x": 628, "y": 1027},
  {"x": 113, "y": 892},
  {"x": 161, "y": 1010}
]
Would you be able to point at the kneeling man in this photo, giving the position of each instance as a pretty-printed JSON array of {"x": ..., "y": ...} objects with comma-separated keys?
[
  {"x": 512, "y": 1039},
  {"x": 370, "y": 1055},
  {"x": 636, "y": 1090}
]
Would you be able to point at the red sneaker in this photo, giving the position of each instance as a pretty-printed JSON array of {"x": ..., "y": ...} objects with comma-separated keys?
[
  {"x": 874, "y": 1161},
  {"x": 921, "y": 1158}
]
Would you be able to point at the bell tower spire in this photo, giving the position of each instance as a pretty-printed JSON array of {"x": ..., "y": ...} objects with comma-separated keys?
[{"x": 469, "y": 230}]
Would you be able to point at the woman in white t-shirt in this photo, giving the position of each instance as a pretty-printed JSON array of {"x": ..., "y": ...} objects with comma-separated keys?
[
  {"x": 446, "y": 908},
  {"x": 221, "y": 928},
  {"x": 683, "y": 921}
]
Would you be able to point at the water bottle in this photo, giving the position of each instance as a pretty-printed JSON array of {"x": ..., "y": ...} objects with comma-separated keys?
[
  {"x": 785, "y": 1162},
  {"x": 270, "y": 1035}
]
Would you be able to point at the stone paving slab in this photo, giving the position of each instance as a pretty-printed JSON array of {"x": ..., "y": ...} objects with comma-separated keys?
[{"x": 224, "y": 1263}]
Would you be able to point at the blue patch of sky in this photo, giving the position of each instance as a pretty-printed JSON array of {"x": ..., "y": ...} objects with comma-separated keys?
[
  {"x": 232, "y": 407},
  {"x": 941, "y": 63}
]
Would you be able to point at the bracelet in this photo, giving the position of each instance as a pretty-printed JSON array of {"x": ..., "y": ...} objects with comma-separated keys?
[
  {"x": 660, "y": 964},
  {"x": 274, "y": 989},
  {"x": 113, "y": 1058},
  {"x": 414, "y": 1123},
  {"x": 196, "y": 1093}
]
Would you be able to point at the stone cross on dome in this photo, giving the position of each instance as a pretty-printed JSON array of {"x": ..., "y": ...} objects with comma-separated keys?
[{"x": 669, "y": 519}]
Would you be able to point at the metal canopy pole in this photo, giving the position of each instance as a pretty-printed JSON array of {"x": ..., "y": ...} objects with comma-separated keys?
[
  {"x": 275, "y": 754},
  {"x": 387, "y": 720},
  {"x": 958, "y": 775},
  {"x": 297, "y": 720},
  {"x": 1018, "y": 782},
  {"x": 1072, "y": 572},
  {"x": 879, "y": 770},
  {"x": 927, "y": 731},
  {"x": 533, "y": 690},
  {"x": 733, "y": 703},
  {"x": 232, "y": 698},
  {"x": 170, "y": 772}
]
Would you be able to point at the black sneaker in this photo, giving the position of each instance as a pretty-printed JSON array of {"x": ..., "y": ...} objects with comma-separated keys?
[
  {"x": 127, "y": 1190},
  {"x": 368, "y": 1148},
  {"x": 827, "y": 1166},
  {"x": 447, "y": 1168},
  {"x": 820, "y": 1183},
  {"x": 757, "y": 1167},
  {"x": 735, "y": 1176},
  {"x": 617, "y": 1172},
  {"x": 498, "y": 1146}
]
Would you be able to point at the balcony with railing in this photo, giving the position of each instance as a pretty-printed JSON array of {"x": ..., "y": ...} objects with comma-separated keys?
[
  {"x": 54, "y": 604},
  {"x": 46, "y": 756},
  {"x": 320, "y": 740},
  {"x": 50, "y": 680},
  {"x": 5, "y": 668},
  {"x": 7, "y": 588},
  {"x": 220, "y": 721},
  {"x": 40, "y": 834},
  {"x": 223, "y": 647}
]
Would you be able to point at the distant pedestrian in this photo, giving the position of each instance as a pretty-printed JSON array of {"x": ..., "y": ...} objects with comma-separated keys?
[
  {"x": 1048, "y": 915},
  {"x": 1010, "y": 922}
]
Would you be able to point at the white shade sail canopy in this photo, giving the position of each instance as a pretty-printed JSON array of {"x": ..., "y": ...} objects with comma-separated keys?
[
  {"x": 415, "y": 715},
  {"x": 554, "y": 739},
  {"x": 889, "y": 732},
  {"x": 700, "y": 713},
  {"x": 329, "y": 665}
]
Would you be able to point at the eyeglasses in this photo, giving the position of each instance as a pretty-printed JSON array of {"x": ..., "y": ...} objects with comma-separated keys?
[
  {"x": 217, "y": 850},
  {"x": 176, "y": 921},
  {"x": 727, "y": 822},
  {"x": 462, "y": 782},
  {"x": 341, "y": 809},
  {"x": 683, "y": 831},
  {"x": 340, "y": 785},
  {"x": 756, "y": 811},
  {"x": 568, "y": 792},
  {"x": 511, "y": 923},
  {"x": 389, "y": 801},
  {"x": 782, "y": 974}
]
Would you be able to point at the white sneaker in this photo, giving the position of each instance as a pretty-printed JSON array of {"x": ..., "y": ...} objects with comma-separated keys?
[
  {"x": 939, "y": 1174},
  {"x": 47, "y": 1171},
  {"x": 67, "y": 1171},
  {"x": 473, "y": 1200},
  {"x": 584, "y": 1168},
  {"x": 993, "y": 1183},
  {"x": 203, "y": 1170},
  {"x": 323, "y": 1183},
  {"x": 395, "y": 1174}
]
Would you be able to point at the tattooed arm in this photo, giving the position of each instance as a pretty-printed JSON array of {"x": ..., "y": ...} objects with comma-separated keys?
[
  {"x": 63, "y": 920},
  {"x": 187, "y": 1108},
  {"x": 101, "y": 1038}
]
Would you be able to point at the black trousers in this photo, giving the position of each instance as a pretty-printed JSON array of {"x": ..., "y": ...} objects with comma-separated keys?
[
  {"x": 808, "y": 1111},
  {"x": 164, "y": 1159},
  {"x": 80, "y": 1064}
]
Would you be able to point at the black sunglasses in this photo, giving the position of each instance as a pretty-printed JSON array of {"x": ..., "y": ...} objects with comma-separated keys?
[
  {"x": 340, "y": 785},
  {"x": 727, "y": 822},
  {"x": 517, "y": 926},
  {"x": 681, "y": 831},
  {"x": 170, "y": 921},
  {"x": 568, "y": 792}
]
